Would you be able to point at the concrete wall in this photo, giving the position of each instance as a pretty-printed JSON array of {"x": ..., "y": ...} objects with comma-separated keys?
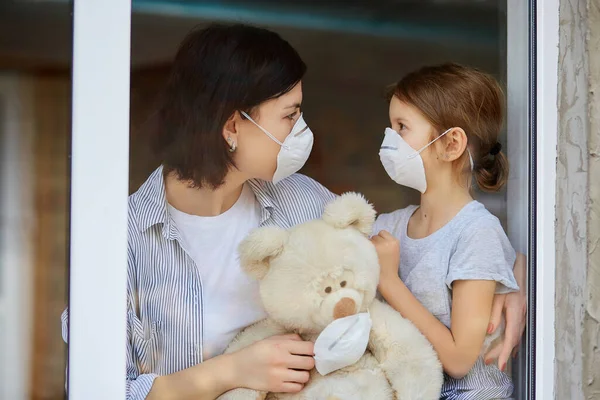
[
  {"x": 591, "y": 322},
  {"x": 578, "y": 203}
]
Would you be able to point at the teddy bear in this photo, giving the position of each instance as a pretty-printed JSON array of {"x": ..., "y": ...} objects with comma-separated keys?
[{"x": 323, "y": 270}]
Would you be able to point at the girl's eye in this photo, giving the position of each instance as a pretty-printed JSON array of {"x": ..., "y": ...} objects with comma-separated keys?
[{"x": 402, "y": 126}]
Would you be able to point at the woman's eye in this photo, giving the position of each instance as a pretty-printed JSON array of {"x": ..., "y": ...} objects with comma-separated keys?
[{"x": 292, "y": 116}]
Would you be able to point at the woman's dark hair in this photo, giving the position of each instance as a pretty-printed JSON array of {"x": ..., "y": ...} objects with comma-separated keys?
[{"x": 217, "y": 71}]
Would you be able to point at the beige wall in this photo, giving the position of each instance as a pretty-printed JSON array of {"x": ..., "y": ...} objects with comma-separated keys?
[{"x": 578, "y": 203}]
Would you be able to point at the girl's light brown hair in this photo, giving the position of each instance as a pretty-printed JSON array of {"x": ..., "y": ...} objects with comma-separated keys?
[{"x": 452, "y": 95}]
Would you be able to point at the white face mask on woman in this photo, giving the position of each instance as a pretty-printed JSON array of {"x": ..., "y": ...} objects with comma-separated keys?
[
  {"x": 403, "y": 163},
  {"x": 294, "y": 151}
]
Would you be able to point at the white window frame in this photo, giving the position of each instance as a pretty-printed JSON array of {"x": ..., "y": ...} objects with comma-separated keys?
[
  {"x": 99, "y": 190},
  {"x": 546, "y": 124}
]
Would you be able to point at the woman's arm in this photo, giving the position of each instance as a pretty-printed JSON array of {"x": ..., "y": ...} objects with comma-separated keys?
[
  {"x": 457, "y": 348},
  {"x": 207, "y": 380},
  {"x": 277, "y": 364}
]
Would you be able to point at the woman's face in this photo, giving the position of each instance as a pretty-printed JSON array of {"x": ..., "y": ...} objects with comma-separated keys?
[{"x": 256, "y": 153}]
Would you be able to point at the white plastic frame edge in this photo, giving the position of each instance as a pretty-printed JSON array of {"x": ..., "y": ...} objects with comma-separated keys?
[
  {"x": 99, "y": 189},
  {"x": 547, "y": 28}
]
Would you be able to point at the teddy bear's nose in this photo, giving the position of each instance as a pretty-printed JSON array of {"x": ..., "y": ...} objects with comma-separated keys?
[{"x": 344, "y": 308}]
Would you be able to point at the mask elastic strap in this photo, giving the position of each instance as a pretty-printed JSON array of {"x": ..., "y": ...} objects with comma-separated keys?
[
  {"x": 434, "y": 140},
  {"x": 430, "y": 143},
  {"x": 273, "y": 138}
]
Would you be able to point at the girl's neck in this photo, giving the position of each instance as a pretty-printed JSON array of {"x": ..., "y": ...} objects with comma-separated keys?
[
  {"x": 439, "y": 204},
  {"x": 205, "y": 201}
]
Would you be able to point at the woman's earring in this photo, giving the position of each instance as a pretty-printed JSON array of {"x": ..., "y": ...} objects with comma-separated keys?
[{"x": 232, "y": 145}]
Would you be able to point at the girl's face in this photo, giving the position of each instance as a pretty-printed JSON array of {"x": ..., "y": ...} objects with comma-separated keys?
[
  {"x": 256, "y": 153},
  {"x": 418, "y": 132},
  {"x": 414, "y": 128}
]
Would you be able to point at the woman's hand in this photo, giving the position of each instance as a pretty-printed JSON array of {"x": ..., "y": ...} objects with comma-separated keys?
[
  {"x": 278, "y": 364},
  {"x": 388, "y": 251},
  {"x": 514, "y": 307}
]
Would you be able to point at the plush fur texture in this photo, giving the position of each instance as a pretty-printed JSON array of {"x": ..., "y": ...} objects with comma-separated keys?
[{"x": 308, "y": 270}]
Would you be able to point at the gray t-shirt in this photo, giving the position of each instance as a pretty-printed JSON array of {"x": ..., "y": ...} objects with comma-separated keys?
[{"x": 472, "y": 246}]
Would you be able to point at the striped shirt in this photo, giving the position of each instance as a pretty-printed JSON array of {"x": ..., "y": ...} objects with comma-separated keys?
[
  {"x": 483, "y": 382},
  {"x": 165, "y": 311}
]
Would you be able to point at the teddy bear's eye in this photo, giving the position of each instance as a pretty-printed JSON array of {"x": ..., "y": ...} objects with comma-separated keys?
[
  {"x": 343, "y": 284},
  {"x": 328, "y": 289}
]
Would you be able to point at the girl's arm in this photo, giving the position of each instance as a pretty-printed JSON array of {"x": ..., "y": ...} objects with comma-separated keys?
[{"x": 458, "y": 348}]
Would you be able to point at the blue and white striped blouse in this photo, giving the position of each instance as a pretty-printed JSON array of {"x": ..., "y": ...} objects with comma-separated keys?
[{"x": 164, "y": 289}]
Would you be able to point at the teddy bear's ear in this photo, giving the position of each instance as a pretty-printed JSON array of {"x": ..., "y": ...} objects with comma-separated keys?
[
  {"x": 350, "y": 210},
  {"x": 257, "y": 250}
]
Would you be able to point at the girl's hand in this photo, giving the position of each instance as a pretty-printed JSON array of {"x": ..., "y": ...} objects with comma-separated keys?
[
  {"x": 388, "y": 250},
  {"x": 279, "y": 364}
]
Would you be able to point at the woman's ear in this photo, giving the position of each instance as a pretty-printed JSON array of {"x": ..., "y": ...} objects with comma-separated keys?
[
  {"x": 454, "y": 144},
  {"x": 230, "y": 133}
]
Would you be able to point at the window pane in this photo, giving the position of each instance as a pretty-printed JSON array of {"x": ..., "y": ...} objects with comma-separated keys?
[{"x": 354, "y": 50}]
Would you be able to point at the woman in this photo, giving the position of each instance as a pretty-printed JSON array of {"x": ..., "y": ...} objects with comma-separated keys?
[{"x": 230, "y": 137}]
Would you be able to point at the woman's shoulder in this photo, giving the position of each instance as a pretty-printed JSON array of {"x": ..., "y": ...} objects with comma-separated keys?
[
  {"x": 294, "y": 185},
  {"x": 299, "y": 197}
]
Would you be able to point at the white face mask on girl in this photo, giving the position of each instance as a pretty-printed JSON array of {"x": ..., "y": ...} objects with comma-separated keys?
[
  {"x": 403, "y": 163},
  {"x": 294, "y": 151}
]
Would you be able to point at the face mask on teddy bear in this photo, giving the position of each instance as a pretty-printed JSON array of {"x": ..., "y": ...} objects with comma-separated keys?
[{"x": 342, "y": 343}]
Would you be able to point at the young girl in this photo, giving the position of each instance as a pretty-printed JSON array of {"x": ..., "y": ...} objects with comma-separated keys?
[{"x": 451, "y": 253}]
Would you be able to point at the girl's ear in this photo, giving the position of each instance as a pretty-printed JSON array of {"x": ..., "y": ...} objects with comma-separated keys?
[{"x": 454, "y": 144}]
